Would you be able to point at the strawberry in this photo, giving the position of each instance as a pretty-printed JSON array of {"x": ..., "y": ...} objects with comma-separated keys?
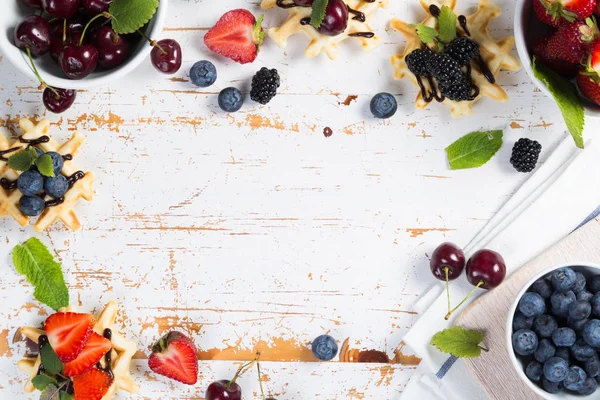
[
  {"x": 540, "y": 49},
  {"x": 68, "y": 333},
  {"x": 237, "y": 35},
  {"x": 92, "y": 384},
  {"x": 558, "y": 12},
  {"x": 174, "y": 356},
  {"x": 588, "y": 79},
  {"x": 570, "y": 41},
  {"x": 96, "y": 347}
]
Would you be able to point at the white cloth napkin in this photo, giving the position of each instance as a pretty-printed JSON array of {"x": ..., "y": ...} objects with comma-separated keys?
[{"x": 551, "y": 204}]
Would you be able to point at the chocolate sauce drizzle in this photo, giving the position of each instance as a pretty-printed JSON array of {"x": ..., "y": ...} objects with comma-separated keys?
[
  {"x": 67, "y": 157},
  {"x": 35, "y": 142},
  {"x": 75, "y": 177},
  {"x": 8, "y": 151},
  {"x": 7, "y": 184},
  {"x": 107, "y": 356}
]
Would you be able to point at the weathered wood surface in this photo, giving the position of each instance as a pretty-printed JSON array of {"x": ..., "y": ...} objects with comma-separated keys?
[{"x": 254, "y": 231}]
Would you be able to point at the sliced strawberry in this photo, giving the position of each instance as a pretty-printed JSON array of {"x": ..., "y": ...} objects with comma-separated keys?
[
  {"x": 594, "y": 59},
  {"x": 237, "y": 35},
  {"x": 174, "y": 356},
  {"x": 558, "y": 12},
  {"x": 68, "y": 333},
  {"x": 92, "y": 385},
  {"x": 96, "y": 347}
]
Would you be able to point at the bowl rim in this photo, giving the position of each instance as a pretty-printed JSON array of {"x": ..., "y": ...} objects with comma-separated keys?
[
  {"x": 21, "y": 62},
  {"x": 511, "y": 312}
]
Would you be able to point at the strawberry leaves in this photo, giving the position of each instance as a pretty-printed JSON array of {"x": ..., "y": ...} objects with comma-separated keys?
[
  {"x": 459, "y": 342},
  {"x": 130, "y": 15}
]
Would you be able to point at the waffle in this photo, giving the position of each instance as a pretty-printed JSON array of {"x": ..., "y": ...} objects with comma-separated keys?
[
  {"x": 9, "y": 199},
  {"x": 323, "y": 43},
  {"x": 122, "y": 352},
  {"x": 495, "y": 53}
]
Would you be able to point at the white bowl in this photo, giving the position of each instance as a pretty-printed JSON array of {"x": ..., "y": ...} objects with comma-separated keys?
[
  {"x": 13, "y": 11},
  {"x": 586, "y": 269},
  {"x": 527, "y": 29}
]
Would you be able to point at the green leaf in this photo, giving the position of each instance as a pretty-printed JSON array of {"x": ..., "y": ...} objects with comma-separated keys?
[
  {"x": 426, "y": 33},
  {"x": 566, "y": 97},
  {"x": 459, "y": 342},
  {"x": 50, "y": 361},
  {"x": 45, "y": 166},
  {"x": 41, "y": 381},
  {"x": 318, "y": 12},
  {"x": 474, "y": 150},
  {"x": 51, "y": 392},
  {"x": 23, "y": 160},
  {"x": 65, "y": 396},
  {"x": 130, "y": 15},
  {"x": 33, "y": 260},
  {"x": 447, "y": 21}
]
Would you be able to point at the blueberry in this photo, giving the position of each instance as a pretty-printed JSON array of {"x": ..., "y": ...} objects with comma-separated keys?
[
  {"x": 525, "y": 342},
  {"x": 564, "y": 337},
  {"x": 551, "y": 387},
  {"x": 591, "y": 332},
  {"x": 592, "y": 366},
  {"x": 56, "y": 187},
  {"x": 57, "y": 162},
  {"x": 534, "y": 371},
  {"x": 560, "y": 303},
  {"x": 579, "y": 310},
  {"x": 575, "y": 378},
  {"x": 596, "y": 304},
  {"x": 580, "y": 282},
  {"x": 324, "y": 348},
  {"x": 555, "y": 369},
  {"x": 594, "y": 284},
  {"x": 542, "y": 287},
  {"x": 577, "y": 326},
  {"x": 383, "y": 105},
  {"x": 581, "y": 351},
  {"x": 563, "y": 279},
  {"x": 30, "y": 183},
  {"x": 203, "y": 73},
  {"x": 589, "y": 386},
  {"x": 545, "y": 325},
  {"x": 230, "y": 99},
  {"x": 544, "y": 351},
  {"x": 522, "y": 322},
  {"x": 532, "y": 305},
  {"x": 32, "y": 206},
  {"x": 564, "y": 353},
  {"x": 584, "y": 295}
]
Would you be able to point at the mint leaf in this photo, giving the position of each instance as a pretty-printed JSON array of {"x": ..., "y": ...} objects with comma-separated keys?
[
  {"x": 474, "y": 150},
  {"x": 566, "y": 97},
  {"x": 41, "y": 381},
  {"x": 33, "y": 260},
  {"x": 23, "y": 160},
  {"x": 447, "y": 24},
  {"x": 130, "y": 15},
  {"x": 50, "y": 361},
  {"x": 318, "y": 12},
  {"x": 45, "y": 166},
  {"x": 426, "y": 33},
  {"x": 50, "y": 393},
  {"x": 459, "y": 342}
]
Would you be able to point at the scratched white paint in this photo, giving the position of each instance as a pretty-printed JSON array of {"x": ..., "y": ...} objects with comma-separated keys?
[{"x": 254, "y": 225}]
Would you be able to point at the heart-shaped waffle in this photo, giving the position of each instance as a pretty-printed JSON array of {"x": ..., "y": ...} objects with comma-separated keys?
[
  {"x": 495, "y": 53},
  {"x": 323, "y": 43},
  {"x": 82, "y": 188},
  {"x": 122, "y": 352}
]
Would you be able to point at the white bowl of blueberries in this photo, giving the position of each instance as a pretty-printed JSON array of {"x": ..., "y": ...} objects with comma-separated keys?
[{"x": 553, "y": 332}]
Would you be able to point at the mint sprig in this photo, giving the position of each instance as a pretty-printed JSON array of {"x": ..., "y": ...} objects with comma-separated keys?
[
  {"x": 447, "y": 25},
  {"x": 33, "y": 260},
  {"x": 568, "y": 100},
  {"x": 45, "y": 165},
  {"x": 23, "y": 160},
  {"x": 319, "y": 8},
  {"x": 426, "y": 33},
  {"x": 459, "y": 342},
  {"x": 130, "y": 15},
  {"x": 474, "y": 150},
  {"x": 40, "y": 382}
]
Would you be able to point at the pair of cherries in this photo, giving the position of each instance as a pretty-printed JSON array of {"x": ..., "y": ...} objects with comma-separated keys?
[{"x": 485, "y": 269}]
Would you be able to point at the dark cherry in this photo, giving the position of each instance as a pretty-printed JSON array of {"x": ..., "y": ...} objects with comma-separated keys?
[
  {"x": 219, "y": 391},
  {"x": 74, "y": 24},
  {"x": 113, "y": 49},
  {"x": 447, "y": 256},
  {"x": 168, "y": 62},
  {"x": 33, "y": 32},
  {"x": 77, "y": 62},
  {"x": 57, "y": 44},
  {"x": 61, "y": 8},
  {"x": 58, "y": 103},
  {"x": 336, "y": 18},
  {"x": 94, "y": 7},
  {"x": 32, "y": 3},
  {"x": 486, "y": 266}
]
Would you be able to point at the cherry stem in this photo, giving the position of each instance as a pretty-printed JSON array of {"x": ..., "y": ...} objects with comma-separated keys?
[
  {"x": 242, "y": 369},
  {"x": 262, "y": 391},
  {"x": 64, "y": 30},
  {"x": 103, "y": 14},
  {"x": 37, "y": 74},
  {"x": 153, "y": 43},
  {"x": 447, "y": 288},
  {"x": 447, "y": 317}
]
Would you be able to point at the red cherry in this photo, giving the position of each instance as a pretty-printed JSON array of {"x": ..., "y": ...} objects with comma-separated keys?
[
  {"x": 58, "y": 100},
  {"x": 166, "y": 56},
  {"x": 77, "y": 62},
  {"x": 95, "y": 7},
  {"x": 486, "y": 266},
  {"x": 34, "y": 33},
  {"x": 336, "y": 18},
  {"x": 113, "y": 49},
  {"x": 447, "y": 256},
  {"x": 219, "y": 390},
  {"x": 61, "y": 8}
]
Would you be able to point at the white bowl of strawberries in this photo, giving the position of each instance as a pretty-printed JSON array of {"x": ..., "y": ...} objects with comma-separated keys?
[{"x": 564, "y": 36}]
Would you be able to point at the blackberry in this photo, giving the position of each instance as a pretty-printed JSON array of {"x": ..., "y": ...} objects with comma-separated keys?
[
  {"x": 463, "y": 50},
  {"x": 264, "y": 85},
  {"x": 525, "y": 155},
  {"x": 459, "y": 91},
  {"x": 417, "y": 61},
  {"x": 444, "y": 69}
]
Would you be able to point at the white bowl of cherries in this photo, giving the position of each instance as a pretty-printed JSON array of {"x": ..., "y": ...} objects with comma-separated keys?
[{"x": 78, "y": 44}]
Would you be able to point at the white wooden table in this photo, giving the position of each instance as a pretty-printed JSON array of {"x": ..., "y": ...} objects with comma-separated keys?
[{"x": 254, "y": 231}]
